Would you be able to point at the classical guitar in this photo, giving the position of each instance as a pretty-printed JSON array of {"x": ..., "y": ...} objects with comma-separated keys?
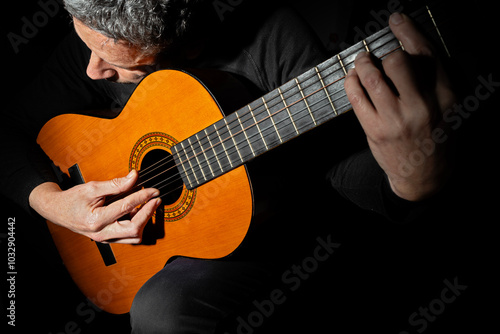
[{"x": 181, "y": 144}]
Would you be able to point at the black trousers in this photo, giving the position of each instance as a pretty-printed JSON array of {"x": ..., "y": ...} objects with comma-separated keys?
[{"x": 197, "y": 296}]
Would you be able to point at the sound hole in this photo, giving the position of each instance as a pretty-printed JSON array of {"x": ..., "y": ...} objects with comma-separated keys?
[{"x": 158, "y": 171}]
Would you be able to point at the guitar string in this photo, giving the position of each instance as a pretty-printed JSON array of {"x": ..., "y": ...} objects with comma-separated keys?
[
  {"x": 149, "y": 169},
  {"x": 296, "y": 91},
  {"x": 248, "y": 142},
  {"x": 157, "y": 185},
  {"x": 201, "y": 144},
  {"x": 257, "y": 111},
  {"x": 160, "y": 186},
  {"x": 428, "y": 20},
  {"x": 267, "y": 116}
]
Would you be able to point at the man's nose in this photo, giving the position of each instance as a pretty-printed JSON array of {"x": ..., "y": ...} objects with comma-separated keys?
[{"x": 98, "y": 69}]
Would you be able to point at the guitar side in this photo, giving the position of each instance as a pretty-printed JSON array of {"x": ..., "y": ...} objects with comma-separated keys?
[{"x": 207, "y": 222}]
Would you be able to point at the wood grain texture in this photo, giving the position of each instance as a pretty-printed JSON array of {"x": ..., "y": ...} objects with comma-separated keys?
[{"x": 170, "y": 102}]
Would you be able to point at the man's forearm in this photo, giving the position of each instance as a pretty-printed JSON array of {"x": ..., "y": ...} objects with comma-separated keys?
[{"x": 42, "y": 198}]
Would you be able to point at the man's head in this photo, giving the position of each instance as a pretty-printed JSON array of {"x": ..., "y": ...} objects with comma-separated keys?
[{"x": 126, "y": 36}]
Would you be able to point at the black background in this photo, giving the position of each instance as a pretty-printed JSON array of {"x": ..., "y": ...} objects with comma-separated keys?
[{"x": 383, "y": 272}]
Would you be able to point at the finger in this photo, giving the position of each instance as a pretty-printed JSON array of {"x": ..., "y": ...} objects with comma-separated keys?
[
  {"x": 413, "y": 41},
  {"x": 363, "y": 107},
  {"x": 124, "y": 206},
  {"x": 113, "y": 187},
  {"x": 399, "y": 70},
  {"x": 130, "y": 231},
  {"x": 374, "y": 83}
]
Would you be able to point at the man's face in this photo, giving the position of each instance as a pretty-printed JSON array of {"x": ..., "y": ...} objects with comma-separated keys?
[{"x": 117, "y": 62}]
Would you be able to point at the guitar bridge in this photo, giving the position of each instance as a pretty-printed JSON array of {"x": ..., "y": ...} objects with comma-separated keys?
[{"x": 104, "y": 249}]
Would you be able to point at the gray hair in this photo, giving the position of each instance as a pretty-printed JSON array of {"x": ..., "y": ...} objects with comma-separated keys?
[{"x": 151, "y": 25}]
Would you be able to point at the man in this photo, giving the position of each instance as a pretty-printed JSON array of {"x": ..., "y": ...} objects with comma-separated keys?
[{"x": 123, "y": 41}]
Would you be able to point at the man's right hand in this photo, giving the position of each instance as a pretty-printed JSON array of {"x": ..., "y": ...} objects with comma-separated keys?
[{"x": 81, "y": 208}]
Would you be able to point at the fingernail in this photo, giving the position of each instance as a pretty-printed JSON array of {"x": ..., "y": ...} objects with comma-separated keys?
[
  {"x": 130, "y": 174},
  {"x": 158, "y": 201},
  {"x": 156, "y": 193},
  {"x": 396, "y": 18}
]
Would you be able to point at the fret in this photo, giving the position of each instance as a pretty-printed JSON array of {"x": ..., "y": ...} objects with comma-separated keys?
[
  {"x": 366, "y": 46},
  {"x": 208, "y": 152},
  {"x": 223, "y": 142},
  {"x": 246, "y": 137},
  {"x": 288, "y": 111},
  {"x": 383, "y": 43},
  {"x": 302, "y": 103},
  {"x": 305, "y": 100},
  {"x": 221, "y": 145},
  {"x": 333, "y": 77},
  {"x": 192, "y": 165},
  {"x": 233, "y": 139},
  {"x": 326, "y": 91},
  {"x": 280, "y": 119},
  {"x": 257, "y": 126},
  {"x": 213, "y": 145},
  {"x": 438, "y": 32},
  {"x": 198, "y": 154},
  {"x": 272, "y": 120},
  {"x": 341, "y": 64},
  {"x": 184, "y": 162}
]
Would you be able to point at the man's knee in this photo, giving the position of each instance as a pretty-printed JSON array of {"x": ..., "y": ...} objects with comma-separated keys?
[{"x": 157, "y": 307}]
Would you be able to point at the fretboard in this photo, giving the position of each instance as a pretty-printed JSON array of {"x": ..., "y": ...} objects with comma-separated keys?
[{"x": 299, "y": 105}]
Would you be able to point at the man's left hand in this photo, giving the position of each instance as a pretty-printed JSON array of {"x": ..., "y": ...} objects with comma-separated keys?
[{"x": 399, "y": 104}]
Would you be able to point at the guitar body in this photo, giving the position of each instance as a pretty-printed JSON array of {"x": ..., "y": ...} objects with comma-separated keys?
[{"x": 207, "y": 222}]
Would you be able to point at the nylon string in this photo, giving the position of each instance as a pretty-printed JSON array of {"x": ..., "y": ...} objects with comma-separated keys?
[{"x": 294, "y": 90}]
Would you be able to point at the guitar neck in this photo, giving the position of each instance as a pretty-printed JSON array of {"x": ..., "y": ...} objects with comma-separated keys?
[{"x": 296, "y": 107}]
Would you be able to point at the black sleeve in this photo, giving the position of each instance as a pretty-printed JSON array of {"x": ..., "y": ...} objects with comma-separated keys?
[
  {"x": 267, "y": 48},
  {"x": 362, "y": 181},
  {"x": 61, "y": 87}
]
